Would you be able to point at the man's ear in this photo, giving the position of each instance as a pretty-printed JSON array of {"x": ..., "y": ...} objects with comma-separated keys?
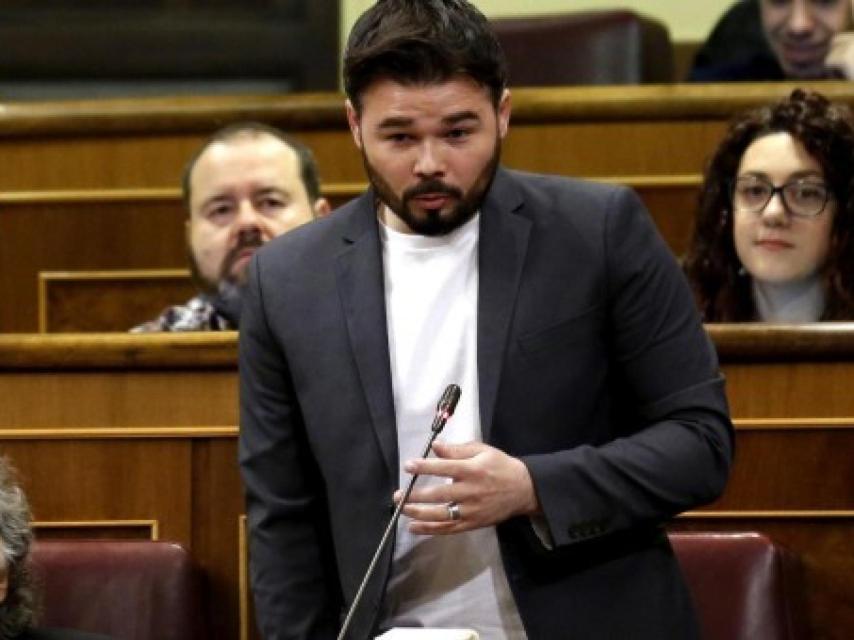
[
  {"x": 355, "y": 124},
  {"x": 322, "y": 208},
  {"x": 503, "y": 112}
]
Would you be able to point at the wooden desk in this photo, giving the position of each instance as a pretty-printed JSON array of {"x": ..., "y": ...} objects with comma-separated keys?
[{"x": 119, "y": 435}]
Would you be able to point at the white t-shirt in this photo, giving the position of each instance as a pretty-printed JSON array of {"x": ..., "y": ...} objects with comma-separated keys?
[{"x": 431, "y": 289}]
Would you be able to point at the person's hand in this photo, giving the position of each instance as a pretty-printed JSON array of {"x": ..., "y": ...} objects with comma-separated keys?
[
  {"x": 841, "y": 54},
  {"x": 488, "y": 486}
]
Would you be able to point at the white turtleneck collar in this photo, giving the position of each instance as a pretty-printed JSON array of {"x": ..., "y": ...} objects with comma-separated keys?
[{"x": 789, "y": 302}]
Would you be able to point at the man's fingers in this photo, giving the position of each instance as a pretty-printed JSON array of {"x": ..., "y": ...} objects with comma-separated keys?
[
  {"x": 434, "y": 494},
  {"x": 458, "y": 451},
  {"x": 428, "y": 512},
  {"x": 434, "y": 467}
]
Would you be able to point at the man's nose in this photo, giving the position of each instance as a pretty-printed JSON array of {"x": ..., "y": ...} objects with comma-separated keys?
[
  {"x": 801, "y": 20},
  {"x": 429, "y": 161},
  {"x": 247, "y": 216}
]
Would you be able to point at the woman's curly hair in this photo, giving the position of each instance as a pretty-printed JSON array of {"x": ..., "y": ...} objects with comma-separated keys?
[
  {"x": 16, "y": 611},
  {"x": 826, "y": 130}
]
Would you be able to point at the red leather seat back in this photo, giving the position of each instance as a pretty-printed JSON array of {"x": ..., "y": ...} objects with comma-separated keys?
[
  {"x": 127, "y": 589},
  {"x": 596, "y": 47},
  {"x": 744, "y": 586}
]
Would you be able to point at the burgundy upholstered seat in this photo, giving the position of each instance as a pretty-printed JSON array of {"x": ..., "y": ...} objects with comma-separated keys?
[
  {"x": 744, "y": 586},
  {"x": 127, "y": 589},
  {"x": 591, "y": 47}
]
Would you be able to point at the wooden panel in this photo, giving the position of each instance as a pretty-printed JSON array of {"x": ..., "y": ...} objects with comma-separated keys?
[
  {"x": 152, "y": 478},
  {"x": 98, "y": 529},
  {"x": 42, "y": 234},
  {"x": 143, "y": 229},
  {"x": 107, "y": 300}
]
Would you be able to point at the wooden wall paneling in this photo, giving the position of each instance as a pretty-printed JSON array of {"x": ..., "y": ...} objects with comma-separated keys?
[
  {"x": 99, "y": 301},
  {"x": 804, "y": 390},
  {"x": 97, "y": 529},
  {"x": 217, "y": 505},
  {"x": 73, "y": 232},
  {"x": 763, "y": 477},
  {"x": 97, "y": 481},
  {"x": 112, "y": 402},
  {"x": 596, "y": 149}
]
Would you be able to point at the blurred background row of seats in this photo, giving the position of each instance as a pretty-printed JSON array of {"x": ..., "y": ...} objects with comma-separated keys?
[{"x": 105, "y": 48}]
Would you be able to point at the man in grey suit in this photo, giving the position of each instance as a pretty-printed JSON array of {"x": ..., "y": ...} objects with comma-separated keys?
[{"x": 592, "y": 409}]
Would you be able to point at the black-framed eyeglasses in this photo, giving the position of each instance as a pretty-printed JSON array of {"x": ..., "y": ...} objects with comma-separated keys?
[{"x": 804, "y": 197}]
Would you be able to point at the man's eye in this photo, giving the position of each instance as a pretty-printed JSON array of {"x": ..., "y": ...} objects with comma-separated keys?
[
  {"x": 457, "y": 134},
  {"x": 218, "y": 212},
  {"x": 398, "y": 137},
  {"x": 271, "y": 203}
]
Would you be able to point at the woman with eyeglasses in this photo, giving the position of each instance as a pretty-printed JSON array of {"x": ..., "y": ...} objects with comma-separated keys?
[{"x": 773, "y": 236}]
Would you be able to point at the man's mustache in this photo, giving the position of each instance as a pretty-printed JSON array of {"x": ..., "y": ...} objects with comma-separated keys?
[
  {"x": 247, "y": 241},
  {"x": 431, "y": 186}
]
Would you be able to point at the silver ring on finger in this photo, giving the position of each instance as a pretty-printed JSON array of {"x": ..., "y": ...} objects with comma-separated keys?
[{"x": 454, "y": 511}]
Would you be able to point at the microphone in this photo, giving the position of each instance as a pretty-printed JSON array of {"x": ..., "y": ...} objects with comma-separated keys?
[{"x": 444, "y": 410}]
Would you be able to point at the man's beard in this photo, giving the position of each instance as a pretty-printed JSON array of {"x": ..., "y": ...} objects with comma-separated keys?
[
  {"x": 226, "y": 279},
  {"x": 435, "y": 223}
]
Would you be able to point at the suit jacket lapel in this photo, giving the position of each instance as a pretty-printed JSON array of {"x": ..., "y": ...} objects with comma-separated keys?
[
  {"x": 359, "y": 277},
  {"x": 503, "y": 245}
]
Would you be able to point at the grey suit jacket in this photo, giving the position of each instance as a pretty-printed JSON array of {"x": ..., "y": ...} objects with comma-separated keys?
[{"x": 593, "y": 368}]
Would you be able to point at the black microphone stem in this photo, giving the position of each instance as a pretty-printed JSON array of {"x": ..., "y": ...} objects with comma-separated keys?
[
  {"x": 383, "y": 542},
  {"x": 444, "y": 410}
]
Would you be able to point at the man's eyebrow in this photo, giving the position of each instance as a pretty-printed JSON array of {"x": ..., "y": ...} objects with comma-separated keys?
[
  {"x": 400, "y": 122},
  {"x": 215, "y": 199},
  {"x": 456, "y": 118},
  {"x": 263, "y": 191},
  {"x": 395, "y": 123}
]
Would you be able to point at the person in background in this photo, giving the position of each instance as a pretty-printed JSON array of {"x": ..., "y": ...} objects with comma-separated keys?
[
  {"x": 592, "y": 407},
  {"x": 758, "y": 40},
  {"x": 17, "y": 596},
  {"x": 247, "y": 184},
  {"x": 773, "y": 235}
]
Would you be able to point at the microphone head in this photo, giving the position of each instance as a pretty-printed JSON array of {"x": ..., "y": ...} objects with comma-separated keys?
[{"x": 448, "y": 401}]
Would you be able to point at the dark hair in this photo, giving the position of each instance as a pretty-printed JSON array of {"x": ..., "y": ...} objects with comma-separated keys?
[
  {"x": 16, "y": 611},
  {"x": 308, "y": 166},
  {"x": 826, "y": 131},
  {"x": 422, "y": 41}
]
